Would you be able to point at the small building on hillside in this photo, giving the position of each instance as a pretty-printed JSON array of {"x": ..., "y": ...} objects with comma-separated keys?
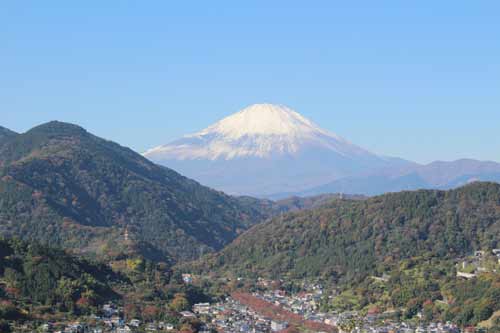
[
  {"x": 201, "y": 308},
  {"x": 135, "y": 323},
  {"x": 278, "y": 325},
  {"x": 466, "y": 275},
  {"x": 187, "y": 314}
]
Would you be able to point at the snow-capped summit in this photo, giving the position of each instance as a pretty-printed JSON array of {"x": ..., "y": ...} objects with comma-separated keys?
[
  {"x": 260, "y": 130},
  {"x": 272, "y": 151},
  {"x": 263, "y": 119},
  {"x": 264, "y": 149}
]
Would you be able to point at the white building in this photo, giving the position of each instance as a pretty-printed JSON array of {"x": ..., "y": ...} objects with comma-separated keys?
[{"x": 278, "y": 325}]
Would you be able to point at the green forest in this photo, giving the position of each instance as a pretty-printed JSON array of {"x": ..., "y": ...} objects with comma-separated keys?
[{"x": 38, "y": 277}]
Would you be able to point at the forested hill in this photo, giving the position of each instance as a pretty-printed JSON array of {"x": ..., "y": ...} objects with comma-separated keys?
[
  {"x": 62, "y": 185},
  {"x": 31, "y": 274},
  {"x": 6, "y": 134},
  {"x": 348, "y": 240}
]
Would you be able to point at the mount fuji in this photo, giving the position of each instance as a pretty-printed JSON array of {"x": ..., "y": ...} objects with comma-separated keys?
[{"x": 266, "y": 149}]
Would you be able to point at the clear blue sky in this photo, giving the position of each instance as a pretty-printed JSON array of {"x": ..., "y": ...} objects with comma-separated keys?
[{"x": 414, "y": 79}]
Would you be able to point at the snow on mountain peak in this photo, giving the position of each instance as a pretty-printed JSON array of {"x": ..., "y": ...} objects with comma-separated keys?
[
  {"x": 263, "y": 119},
  {"x": 260, "y": 130}
]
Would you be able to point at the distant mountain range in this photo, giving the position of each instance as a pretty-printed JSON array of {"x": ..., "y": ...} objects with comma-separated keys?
[
  {"x": 436, "y": 175},
  {"x": 272, "y": 151}
]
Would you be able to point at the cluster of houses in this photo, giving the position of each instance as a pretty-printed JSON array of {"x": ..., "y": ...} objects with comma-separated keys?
[
  {"x": 307, "y": 305},
  {"x": 405, "y": 328},
  {"x": 111, "y": 321},
  {"x": 231, "y": 316}
]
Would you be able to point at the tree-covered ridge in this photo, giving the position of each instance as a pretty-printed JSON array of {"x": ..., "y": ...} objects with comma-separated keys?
[
  {"x": 62, "y": 185},
  {"x": 349, "y": 239},
  {"x": 6, "y": 134},
  {"x": 36, "y": 275}
]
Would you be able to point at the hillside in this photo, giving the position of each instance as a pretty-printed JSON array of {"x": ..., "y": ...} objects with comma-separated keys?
[
  {"x": 34, "y": 275},
  {"x": 6, "y": 134},
  {"x": 350, "y": 239},
  {"x": 61, "y": 185}
]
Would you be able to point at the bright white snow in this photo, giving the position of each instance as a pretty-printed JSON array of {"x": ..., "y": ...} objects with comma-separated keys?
[
  {"x": 260, "y": 130},
  {"x": 263, "y": 119}
]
